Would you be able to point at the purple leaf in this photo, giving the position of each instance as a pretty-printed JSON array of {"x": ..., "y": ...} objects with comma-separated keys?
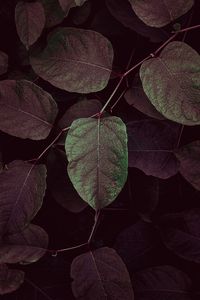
[
  {"x": 10, "y": 280},
  {"x": 22, "y": 187},
  {"x": 27, "y": 111},
  {"x": 151, "y": 144},
  {"x": 161, "y": 282},
  {"x": 75, "y": 60},
  {"x": 27, "y": 246},
  {"x": 30, "y": 21},
  {"x": 53, "y": 12},
  {"x": 188, "y": 156},
  {"x": 99, "y": 275},
  {"x": 3, "y": 62},
  {"x": 160, "y": 13}
]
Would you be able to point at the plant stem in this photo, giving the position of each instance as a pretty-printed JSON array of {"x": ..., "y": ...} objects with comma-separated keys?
[{"x": 94, "y": 228}]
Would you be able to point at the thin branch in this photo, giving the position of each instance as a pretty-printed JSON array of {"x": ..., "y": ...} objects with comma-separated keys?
[
  {"x": 94, "y": 227},
  {"x": 38, "y": 288}
]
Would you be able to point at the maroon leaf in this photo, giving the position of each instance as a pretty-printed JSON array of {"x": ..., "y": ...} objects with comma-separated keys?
[
  {"x": 99, "y": 275},
  {"x": 10, "y": 280},
  {"x": 123, "y": 12},
  {"x": 162, "y": 282},
  {"x": 136, "y": 97},
  {"x": 27, "y": 246},
  {"x": 82, "y": 109},
  {"x": 188, "y": 157},
  {"x": 53, "y": 12},
  {"x": 30, "y": 21},
  {"x": 76, "y": 60},
  {"x": 81, "y": 14},
  {"x": 3, "y": 62},
  {"x": 27, "y": 111},
  {"x": 22, "y": 187},
  {"x": 66, "y": 5},
  {"x": 151, "y": 144}
]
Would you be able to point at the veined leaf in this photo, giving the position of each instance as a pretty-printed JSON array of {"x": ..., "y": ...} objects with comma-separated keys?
[
  {"x": 76, "y": 60},
  {"x": 27, "y": 111},
  {"x": 189, "y": 157},
  {"x": 160, "y": 13},
  {"x": 107, "y": 276},
  {"x": 30, "y": 21},
  {"x": 172, "y": 83},
  {"x": 3, "y": 62},
  {"x": 10, "y": 280},
  {"x": 98, "y": 159},
  {"x": 22, "y": 187},
  {"x": 27, "y": 246}
]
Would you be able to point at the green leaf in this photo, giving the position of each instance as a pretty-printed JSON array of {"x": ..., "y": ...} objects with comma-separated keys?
[
  {"x": 106, "y": 276},
  {"x": 98, "y": 159},
  {"x": 30, "y": 21},
  {"x": 172, "y": 83},
  {"x": 75, "y": 60},
  {"x": 10, "y": 280},
  {"x": 27, "y": 111},
  {"x": 189, "y": 157},
  {"x": 160, "y": 13},
  {"x": 22, "y": 187}
]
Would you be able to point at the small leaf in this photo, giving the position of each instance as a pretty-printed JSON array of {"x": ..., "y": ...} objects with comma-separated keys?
[
  {"x": 30, "y": 21},
  {"x": 27, "y": 246},
  {"x": 180, "y": 233},
  {"x": 188, "y": 156},
  {"x": 66, "y": 5},
  {"x": 82, "y": 109},
  {"x": 27, "y": 111},
  {"x": 10, "y": 280},
  {"x": 22, "y": 187},
  {"x": 85, "y": 70},
  {"x": 53, "y": 12},
  {"x": 81, "y": 14},
  {"x": 3, "y": 62},
  {"x": 161, "y": 282},
  {"x": 172, "y": 83},
  {"x": 160, "y": 13},
  {"x": 107, "y": 276},
  {"x": 150, "y": 146},
  {"x": 98, "y": 159},
  {"x": 136, "y": 97}
]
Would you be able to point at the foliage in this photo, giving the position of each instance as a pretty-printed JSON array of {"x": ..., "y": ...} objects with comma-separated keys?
[{"x": 65, "y": 151}]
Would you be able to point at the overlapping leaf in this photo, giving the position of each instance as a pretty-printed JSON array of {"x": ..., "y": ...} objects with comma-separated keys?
[
  {"x": 54, "y": 14},
  {"x": 162, "y": 282},
  {"x": 76, "y": 60},
  {"x": 98, "y": 159},
  {"x": 150, "y": 147},
  {"x": 10, "y": 280},
  {"x": 160, "y": 13},
  {"x": 27, "y": 111},
  {"x": 189, "y": 157},
  {"x": 30, "y": 21},
  {"x": 172, "y": 83},
  {"x": 22, "y": 187},
  {"x": 3, "y": 62},
  {"x": 107, "y": 276}
]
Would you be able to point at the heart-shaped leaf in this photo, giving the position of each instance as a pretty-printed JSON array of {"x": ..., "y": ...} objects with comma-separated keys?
[
  {"x": 27, "y": 246},
  {"x": 172, "y": 83},
  {"x": 150, "y": 146},
  {"x": 161, "y": 282},
  {"x": 98, "y": 159},
  {"x": 160, "y": 13},
  {"x": 30, "y": 21},
  {"x": 22, "y": 187},
  {"x": 188, "y": 156},
  {"x": 107, "y": 276},
  {"x": 10, "y": 280},
  {"x": 3, "y": 62},
  {"x": 136, "y": 97},
  {"x": 27, "y": 111},
  {"x": 180, "y": 233},
  {"x": 85, "y": 70}
]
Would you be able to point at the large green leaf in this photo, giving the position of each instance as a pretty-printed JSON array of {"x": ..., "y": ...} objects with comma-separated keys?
[
  {"x": 76, "y": 60},
  {"x": 189, "y": 157},
  {"x": 98, "y": 159},
  {"x": 172, "y": 83},
  {"x": 160, "y": 13}
]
